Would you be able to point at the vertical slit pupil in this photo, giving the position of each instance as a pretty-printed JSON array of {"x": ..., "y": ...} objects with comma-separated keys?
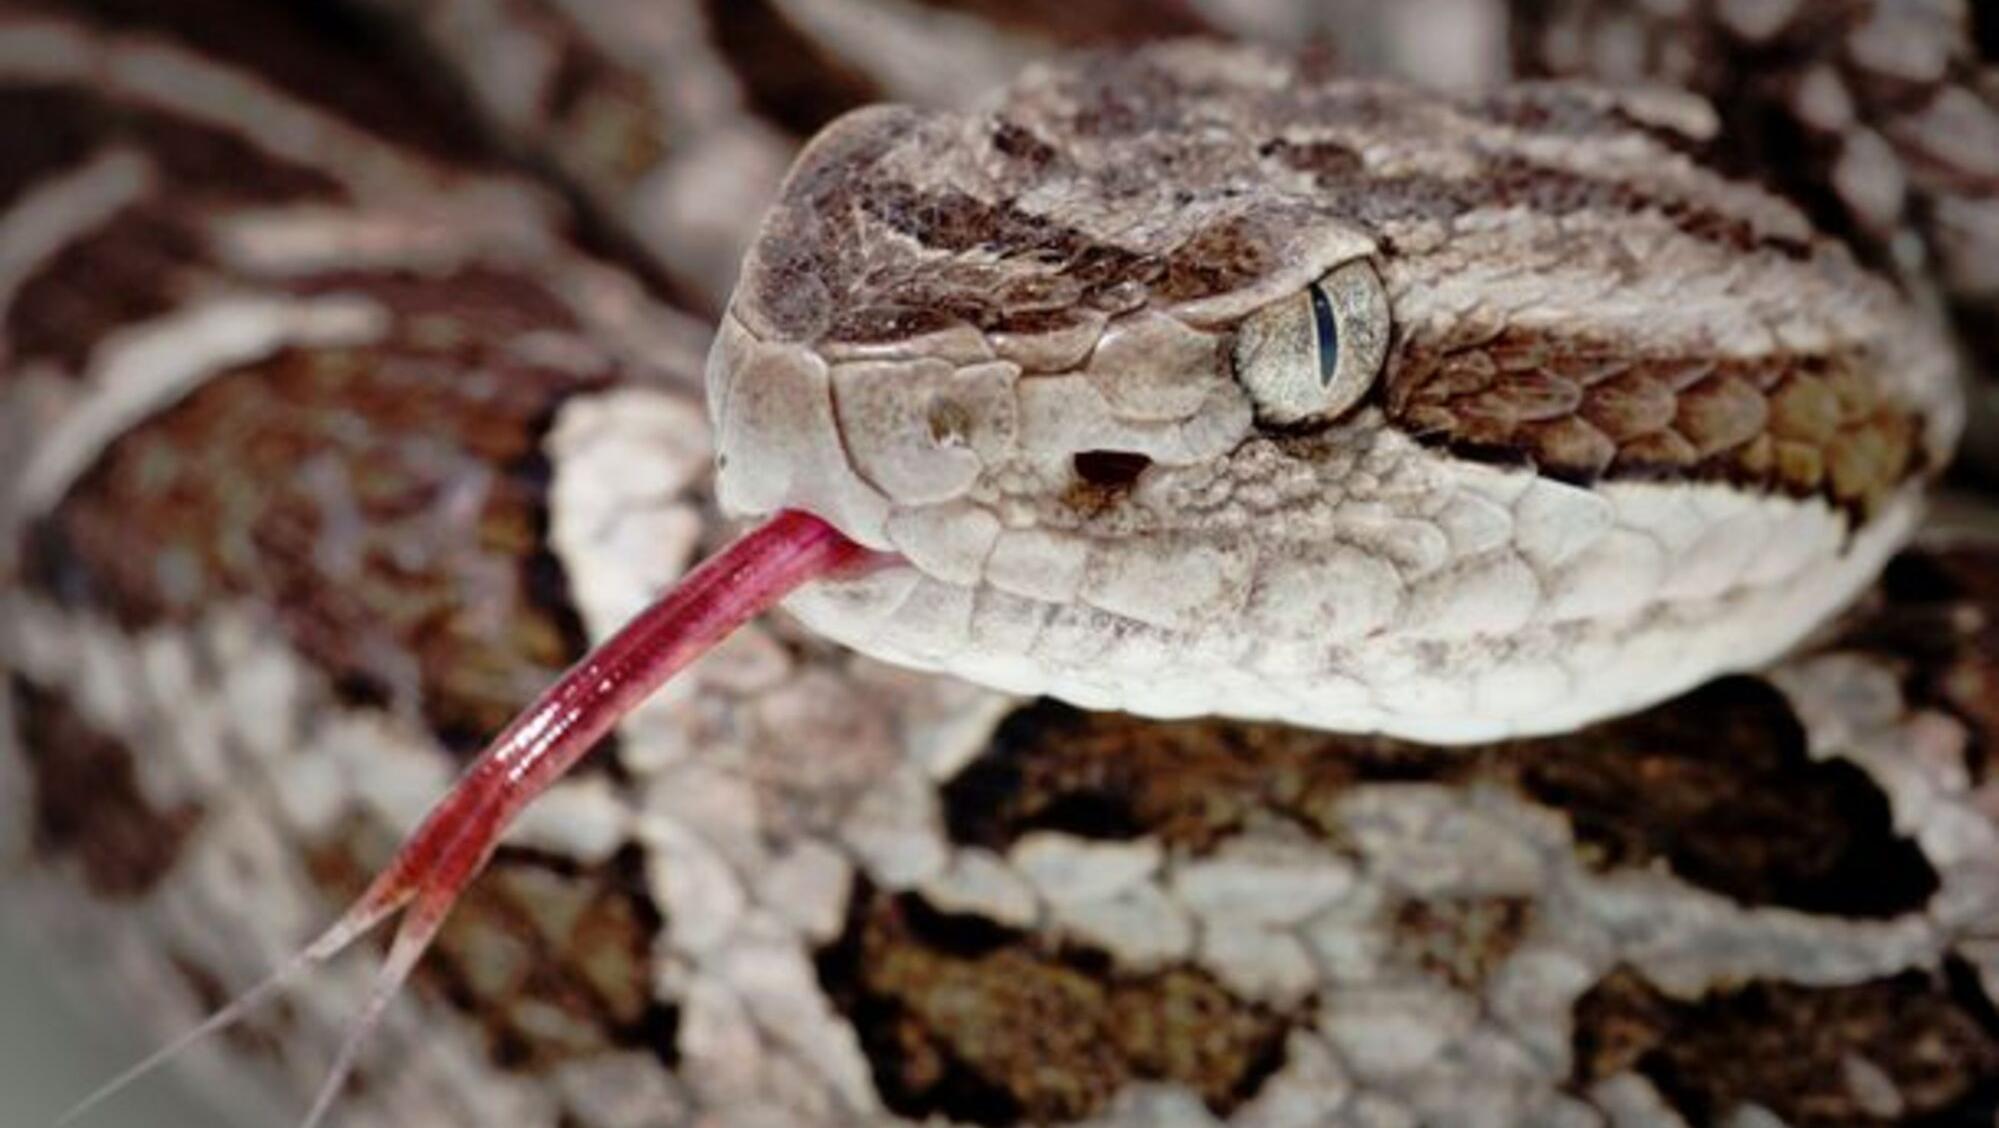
[{"x": 1329, "y": 335}]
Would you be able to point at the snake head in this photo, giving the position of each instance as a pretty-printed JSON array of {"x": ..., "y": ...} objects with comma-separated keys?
[{"x": 1194, "y": 379}]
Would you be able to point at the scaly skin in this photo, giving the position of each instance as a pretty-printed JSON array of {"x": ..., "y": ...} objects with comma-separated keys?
[
  {"x": 1637, "y": 423},
  {"x": 337, "y": 533}
]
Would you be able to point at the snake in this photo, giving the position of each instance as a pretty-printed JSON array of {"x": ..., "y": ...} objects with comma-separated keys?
[{"x": 1190, "y": 381}]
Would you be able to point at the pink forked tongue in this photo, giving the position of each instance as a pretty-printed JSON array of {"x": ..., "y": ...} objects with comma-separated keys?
[{"x": 456, "y": 838}]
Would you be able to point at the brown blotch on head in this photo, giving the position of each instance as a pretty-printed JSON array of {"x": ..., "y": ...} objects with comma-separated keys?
[
  {"x": 1796, "y": 425},
  {"x": 965, "y": 1019},
  {"x": 387, "y": 503},
  {"x": 955, "y": 260},
  {"x": 1220, "y": 258},
  {"x": 1795, "y": 1049},
  {"x": 1510, "y": 181},
  {"x": 1716, "y": 784},
  {"x": 1016, "y": 141},
  {"x": 87, "y": 802}
]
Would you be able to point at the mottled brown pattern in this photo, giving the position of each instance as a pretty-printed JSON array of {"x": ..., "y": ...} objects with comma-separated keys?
[
  {"x": 142, "y": 262},
  {"x": 965, "y": 1019},
  {"x": 1087, "y": 273},
  {"x": 1716, "y": 784},
  {"x": 87, "y": 802},
  {"x": 1811, "y": 425},
  {"x": 787, "y": 270},
  {"x": 552, "y": 958},
  {"x": 385, "y": 504},
  {"x": 1793, "y": 1049},
  {"x": 1462, "y": 941}
]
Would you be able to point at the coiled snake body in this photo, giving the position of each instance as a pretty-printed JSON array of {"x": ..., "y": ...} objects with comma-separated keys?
[{"x": 1309, "y": 413}]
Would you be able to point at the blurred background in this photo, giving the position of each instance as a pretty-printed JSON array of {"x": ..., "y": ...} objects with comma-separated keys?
[{"x": 51, "y": 1053}]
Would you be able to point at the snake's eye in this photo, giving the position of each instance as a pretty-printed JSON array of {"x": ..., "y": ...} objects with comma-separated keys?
[{"x": 1311, "y": 356}]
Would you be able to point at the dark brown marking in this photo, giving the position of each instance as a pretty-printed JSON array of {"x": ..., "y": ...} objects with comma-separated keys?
[
  {"x": 1716, "y": 784},
  {"x": 874, "y": 301},
  {"x": 968, "y": 1020},
  {"x": 87, "y": 803},
  {"x": 199, "y": 163},
  {"x": 320, "y": 52},
  {"x": 1720, "y": 784},
  {"x": 1985, "y": 31},
  {"x": 130, "y": 270},
  {"x": 1792, "y": 1049},
  {"x": 791, "y": 79},
  {"x": 144, "y": 260},
  {"x": 1327, "y": 160},
  {"x": 1797, "y": 425},
  {"x": 1023, "y": 144},
  {"x": 386, "y": 504},
  {"x": 48, "y": 129},
  {"x": 1509, "y": 181},
  {"x": 1934, "y": 622},
  {"x": 796, "y": 268}
]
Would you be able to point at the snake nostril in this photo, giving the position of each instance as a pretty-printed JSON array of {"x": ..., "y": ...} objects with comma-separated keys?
[{"x": 1110, "y": 469}]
